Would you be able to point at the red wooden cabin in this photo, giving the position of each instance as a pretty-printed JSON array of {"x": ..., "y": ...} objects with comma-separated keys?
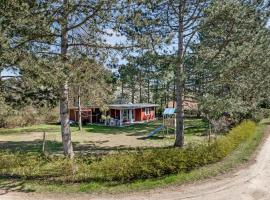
[{"x": 117, "y": 115}]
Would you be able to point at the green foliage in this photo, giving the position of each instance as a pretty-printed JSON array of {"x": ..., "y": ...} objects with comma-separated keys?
[
  {"x": 93, "y": 79},
  {"x": 26, "y": 116},
  {"x": 148, "y": 78},
  {"x": 156, "y": 163},
  {"x": 232, "y": 61}
]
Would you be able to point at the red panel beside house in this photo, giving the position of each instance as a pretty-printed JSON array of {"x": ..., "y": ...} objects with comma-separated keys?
[
  {"x": 72, "y": 114},
  {"x": 147, "y": 115}
]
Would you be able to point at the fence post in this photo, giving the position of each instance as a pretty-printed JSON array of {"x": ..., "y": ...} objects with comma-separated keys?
[{"x": 44, "y": 142}]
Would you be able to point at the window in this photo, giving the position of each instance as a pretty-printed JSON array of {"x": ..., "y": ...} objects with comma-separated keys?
[
  {"x": 147, "y": 111},
  {"x": 125, "y": 115}
]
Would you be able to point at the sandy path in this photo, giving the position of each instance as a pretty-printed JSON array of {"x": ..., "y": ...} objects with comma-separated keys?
[{"x": 252, "y": 183}]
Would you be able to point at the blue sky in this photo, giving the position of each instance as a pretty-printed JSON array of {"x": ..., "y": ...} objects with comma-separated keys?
[{"x": 9, "y": 72}]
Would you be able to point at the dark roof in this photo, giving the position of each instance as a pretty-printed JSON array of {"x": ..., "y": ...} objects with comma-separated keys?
[{"x": 131, "y": 105}]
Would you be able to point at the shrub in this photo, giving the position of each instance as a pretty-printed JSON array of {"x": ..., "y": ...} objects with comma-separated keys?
[
  {"x": 156, "y": 163},
  {"x": 35, "y": 166},
  {"x": 28, "y": 116},
  {"x": 260, "y": 114},
  {"x": 222, "y": 125}
]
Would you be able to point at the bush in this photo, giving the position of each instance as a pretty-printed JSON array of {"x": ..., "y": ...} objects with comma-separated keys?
[
  {"x": 28, "y": 116},
  {"x": 260, "y": 114},
  {"x": 38, "y": 167},
  {"x": 156, "y": 163},
  {"x": 222, "y": 125},
  {"x": 124, "y": 166}
]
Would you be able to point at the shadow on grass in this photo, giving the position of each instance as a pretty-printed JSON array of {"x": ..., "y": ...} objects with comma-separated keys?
[
  {"x": 137, "y": 128},
  {"x": 152, "y": 138},
  {"x": 30, "y": 146},
  {"x": 54, "y": 147},
  {"x": 7, "y": 186}
]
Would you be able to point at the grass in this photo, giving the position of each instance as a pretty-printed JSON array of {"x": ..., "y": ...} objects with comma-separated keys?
[
  {"x": 95, "y": 138},
  {"x": 193, "y": 126},
  {"x": 240, "y": 156}
]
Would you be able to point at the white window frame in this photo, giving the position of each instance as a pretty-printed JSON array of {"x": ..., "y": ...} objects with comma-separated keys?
[{"x": 147, "y": 111}]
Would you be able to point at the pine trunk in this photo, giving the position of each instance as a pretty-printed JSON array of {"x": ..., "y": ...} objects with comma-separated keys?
[
  {"x": 148, "y": 91},
  {"x": 174, "y": 93},
  {"x": 122, "y": 92},
  {"x": 133, "y": 94},
  {"x": 140, "y": 87},
  {"x": 79, "y": 109},
  {"x": 180, "y": 83},
  {"x": 64, "y": 112},
  {"x": 65, "y": 128}
]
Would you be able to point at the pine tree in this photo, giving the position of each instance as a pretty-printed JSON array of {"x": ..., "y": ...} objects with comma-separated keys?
[
  {"x": 232, "y": 60},
  {"x": 169, "y": 27},
  {"x": 77, "y": 27}
]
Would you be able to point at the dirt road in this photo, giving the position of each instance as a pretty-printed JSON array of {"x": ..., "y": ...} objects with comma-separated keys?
[{"x": 251, "y": 183}]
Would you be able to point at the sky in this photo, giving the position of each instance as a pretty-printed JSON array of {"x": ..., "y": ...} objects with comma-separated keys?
[{"x": 9, "y": 72}]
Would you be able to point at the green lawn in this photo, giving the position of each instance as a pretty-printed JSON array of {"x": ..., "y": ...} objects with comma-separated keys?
[{"x": 98, "y": 138}]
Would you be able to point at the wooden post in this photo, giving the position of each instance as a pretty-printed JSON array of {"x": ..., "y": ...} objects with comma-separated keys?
[
  {"x": 120, "y": 117},
  {"x": 210, "y": 132},
  {"x": 175, "y": 125},
  {"x": 44, "y": 142},
  {"x": 163, "y": 125}
]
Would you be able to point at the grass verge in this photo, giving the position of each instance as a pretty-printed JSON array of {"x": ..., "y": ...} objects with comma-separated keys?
[{"x": 241, "y": 155}]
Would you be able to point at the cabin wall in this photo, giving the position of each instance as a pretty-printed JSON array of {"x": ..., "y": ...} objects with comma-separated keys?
[
  {"x": 94, "y": 115},
  {"x": 138, "y": 115}
]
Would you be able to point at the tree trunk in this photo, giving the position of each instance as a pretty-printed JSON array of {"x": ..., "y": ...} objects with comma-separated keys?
[
  {"x": 148, "y": 91},
  {"x": 132, "y": 94},
  {"x": 174, "y": 93},
  {"x": 179, "y": 141},
  {"x": 65, "y": 128},
  {"x": 122, "y": 92},
  {"x": 168, "y": 94},
  {"x": 156, "y": 91},
  {"x": 79, "y": 109},
  {"x": 180, "y": 83},
  {"x": 64, "y": 112},
  {"x": 140, "y": 87}
]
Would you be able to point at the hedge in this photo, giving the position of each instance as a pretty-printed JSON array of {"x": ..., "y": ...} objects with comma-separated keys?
[
  {"x": 156, "y": 163},
  {"x": 124, "y": 167}
]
